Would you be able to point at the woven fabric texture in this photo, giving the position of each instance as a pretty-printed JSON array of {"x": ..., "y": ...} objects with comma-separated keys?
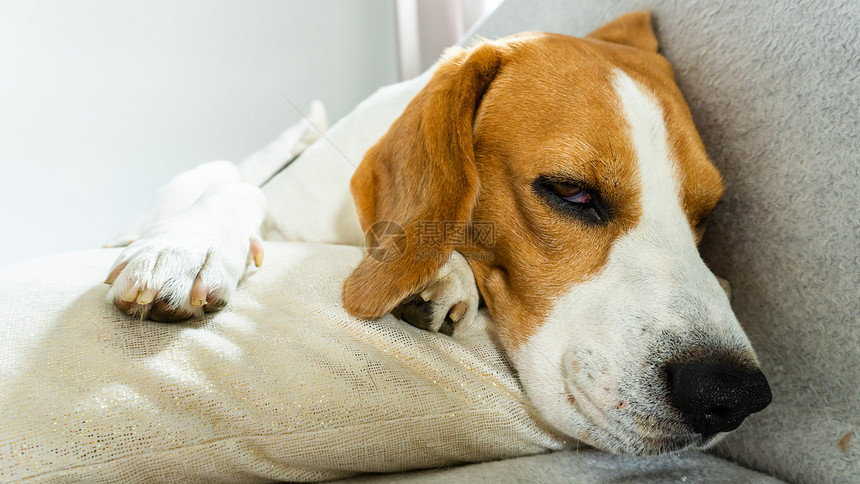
[{"x": 281, "y": 385}]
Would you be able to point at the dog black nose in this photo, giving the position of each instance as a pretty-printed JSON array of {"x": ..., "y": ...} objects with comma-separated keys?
[{"x": 717, "y": 397}]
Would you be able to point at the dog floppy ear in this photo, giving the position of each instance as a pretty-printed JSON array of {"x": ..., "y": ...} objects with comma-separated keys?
[
  {"x": 419, "y": 179},
  {"x": 633, "y": 29}
]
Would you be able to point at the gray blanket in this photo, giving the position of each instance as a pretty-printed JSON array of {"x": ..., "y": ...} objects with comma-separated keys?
[{"x": 586, "y": 467}]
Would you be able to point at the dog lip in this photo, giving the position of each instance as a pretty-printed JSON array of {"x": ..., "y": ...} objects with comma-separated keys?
[
  {"x": 614, "y": 435},
  {"x": 579, "y": 396},
  {"x": 617, "y": 438}
]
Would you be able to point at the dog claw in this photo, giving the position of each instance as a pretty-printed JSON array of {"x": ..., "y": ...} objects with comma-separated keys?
[
  {"x": 146, "y": 296},
  {"x": 257, "y": 251},
  {"x": 199, "y": 292},
  {"x": 130, "y": 293},
  {"x": 458, "y": 311},
  {"x": 115, "y": 273}
]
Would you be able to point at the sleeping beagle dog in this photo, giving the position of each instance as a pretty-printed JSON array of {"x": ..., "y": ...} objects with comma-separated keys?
[{"x": 561, "y": 182}]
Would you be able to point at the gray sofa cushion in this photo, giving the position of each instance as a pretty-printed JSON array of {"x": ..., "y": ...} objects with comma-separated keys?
[
  {"x": 585, "y": 466},
  {"x": 775, "y": 91}
]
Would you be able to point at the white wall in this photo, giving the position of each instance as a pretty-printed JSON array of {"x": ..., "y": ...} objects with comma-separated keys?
[{"x": 101, "y": 101}]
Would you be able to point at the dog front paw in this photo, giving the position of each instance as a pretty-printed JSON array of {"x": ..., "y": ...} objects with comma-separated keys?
[
  {"x": 180, "y": 269},
  {"x": 451, "y": 299}
]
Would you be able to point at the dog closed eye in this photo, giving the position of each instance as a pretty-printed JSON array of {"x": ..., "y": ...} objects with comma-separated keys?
[{"x": 572, "y": 198}]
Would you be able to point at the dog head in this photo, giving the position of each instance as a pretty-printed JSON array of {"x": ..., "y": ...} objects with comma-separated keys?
[{"x": 581, "y": 159}]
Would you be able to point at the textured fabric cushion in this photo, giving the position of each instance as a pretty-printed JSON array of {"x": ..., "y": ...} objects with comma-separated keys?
[
  {"x": 283, "y": 384},
  {"x": 773, "y": 87}
]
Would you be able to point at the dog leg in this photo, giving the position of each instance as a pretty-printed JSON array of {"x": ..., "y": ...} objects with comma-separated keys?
[
  {"x": 450, "y": 300},
  {"x": 191, "y": 262},
  {"x": 179, "y": 194}
]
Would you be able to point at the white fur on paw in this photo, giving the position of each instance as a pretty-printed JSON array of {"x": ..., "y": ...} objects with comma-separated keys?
[
  {"x": 451, "y": 299},
  {"x": 180, "y": 268}
]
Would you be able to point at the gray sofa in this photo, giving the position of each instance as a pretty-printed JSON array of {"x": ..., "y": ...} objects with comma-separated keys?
[{"x": 774, "y": 88}]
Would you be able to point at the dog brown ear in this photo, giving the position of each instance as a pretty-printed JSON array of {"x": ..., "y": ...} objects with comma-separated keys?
[
  {"x": 416, "y": 182},
  {"x": 633, "y": 29}
]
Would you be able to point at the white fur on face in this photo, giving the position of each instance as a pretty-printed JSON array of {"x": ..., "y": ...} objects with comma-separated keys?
[{"x": 595, "y": 368}]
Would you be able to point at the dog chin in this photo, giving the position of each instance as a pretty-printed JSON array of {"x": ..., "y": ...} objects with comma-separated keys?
[
  {"x": 622, "y": 441},
  {"x": 644, "y": 446}
]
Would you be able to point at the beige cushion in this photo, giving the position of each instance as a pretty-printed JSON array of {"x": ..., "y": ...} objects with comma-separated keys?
[{"x": 282, "y": 384}]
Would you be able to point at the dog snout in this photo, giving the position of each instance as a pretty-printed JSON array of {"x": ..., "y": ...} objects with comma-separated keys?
[{"x": 715, "y": 396}]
